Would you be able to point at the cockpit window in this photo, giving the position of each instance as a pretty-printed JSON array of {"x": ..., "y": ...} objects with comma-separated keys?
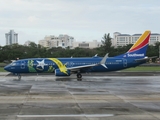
[{"x": 13, "y": 64}]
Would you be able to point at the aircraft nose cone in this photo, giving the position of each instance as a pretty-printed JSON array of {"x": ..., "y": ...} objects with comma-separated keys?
[{"x": 7, "y": 68}]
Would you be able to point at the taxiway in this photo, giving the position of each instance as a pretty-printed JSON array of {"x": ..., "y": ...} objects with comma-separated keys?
[{"x": 96, "y": 97}]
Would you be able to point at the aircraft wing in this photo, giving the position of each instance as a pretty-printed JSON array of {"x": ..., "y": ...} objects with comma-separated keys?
[
  {"x": 145, "y": 58},
  {"x": 80, "y": 67},
  {"x": 102, "y": 62}
]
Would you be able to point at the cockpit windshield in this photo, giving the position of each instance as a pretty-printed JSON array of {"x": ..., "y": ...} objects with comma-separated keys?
[{"x": 13, "y": 64}]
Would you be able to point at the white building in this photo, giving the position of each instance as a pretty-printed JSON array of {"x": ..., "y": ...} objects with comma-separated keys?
[
  {"x": 60, "y": 41},
  {"x": 27, "y": 43},
  {"x": 11, "y": 37},
  {"x": 93, "y": 44},
  {"x": 125, "y": 39}
]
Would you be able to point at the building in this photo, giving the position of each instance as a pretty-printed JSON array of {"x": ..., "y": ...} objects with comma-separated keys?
[
  {"x": 91, "y": 45},
  {"x": 11, "y": 37},
  {"x": 60, "y": 41},
  {"x": 27, "y": 43},
  {"x": 125, "y": 39}
]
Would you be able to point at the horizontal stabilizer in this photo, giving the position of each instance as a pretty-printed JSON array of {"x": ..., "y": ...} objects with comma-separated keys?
[{"x": 145, "y": 58}]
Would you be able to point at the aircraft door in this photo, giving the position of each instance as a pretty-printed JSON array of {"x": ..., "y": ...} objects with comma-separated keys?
[
  {"x": 124, "y": 62},
  {"x": 22, "y": 64}
]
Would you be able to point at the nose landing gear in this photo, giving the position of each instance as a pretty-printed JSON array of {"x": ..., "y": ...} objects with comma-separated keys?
[{"x": 19, "y": 76}]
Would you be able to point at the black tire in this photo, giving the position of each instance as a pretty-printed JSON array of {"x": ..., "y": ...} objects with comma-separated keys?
[{"x": 79, "y": 75}]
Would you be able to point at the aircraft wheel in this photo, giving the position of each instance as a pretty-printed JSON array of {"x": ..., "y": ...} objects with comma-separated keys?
[
  {"x": 19, "y": 77},
  {"x": 79, "y": 75}
]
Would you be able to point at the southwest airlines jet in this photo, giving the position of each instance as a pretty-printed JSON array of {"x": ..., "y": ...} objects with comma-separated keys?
[{"x": 135, "y": 56}]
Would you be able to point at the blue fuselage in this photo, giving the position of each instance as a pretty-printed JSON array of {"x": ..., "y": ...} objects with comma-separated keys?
[{"x": 38, "y": 65}]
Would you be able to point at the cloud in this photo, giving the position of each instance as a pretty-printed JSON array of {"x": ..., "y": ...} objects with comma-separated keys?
[
  {"x": 32, "y": 19},
  {"x": 81, "y": 18}
]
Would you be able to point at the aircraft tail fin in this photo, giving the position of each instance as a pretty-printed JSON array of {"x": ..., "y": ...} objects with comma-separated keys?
[{"x": 138, "y": 50}]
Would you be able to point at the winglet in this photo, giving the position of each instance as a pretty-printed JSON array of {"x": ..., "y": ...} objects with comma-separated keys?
[{"x": 102, "y": 62}]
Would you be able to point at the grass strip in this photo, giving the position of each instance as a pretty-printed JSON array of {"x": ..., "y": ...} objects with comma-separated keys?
[
  {"x": 144, "y": 69},
  {"x": 2, "y": 69}
]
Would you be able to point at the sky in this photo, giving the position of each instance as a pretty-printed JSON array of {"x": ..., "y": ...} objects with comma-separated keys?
[{"x": 85, "y": 20}]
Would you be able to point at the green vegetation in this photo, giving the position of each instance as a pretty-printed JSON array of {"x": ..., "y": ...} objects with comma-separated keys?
[
  {"x": 11, "y": 52},
  {"x": 2, "y": 70},
  {"x": 144, "y": 69}
]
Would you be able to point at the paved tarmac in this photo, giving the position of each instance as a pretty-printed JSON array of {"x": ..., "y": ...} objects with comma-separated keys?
[{"x": 122, "y": 96}]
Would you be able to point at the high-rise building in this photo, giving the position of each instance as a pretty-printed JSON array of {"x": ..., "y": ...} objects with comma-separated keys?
[
  {"x": 11, "y": 37},
  {"x": 60, "y": 41},
  {"x": 125, "y": 39}
]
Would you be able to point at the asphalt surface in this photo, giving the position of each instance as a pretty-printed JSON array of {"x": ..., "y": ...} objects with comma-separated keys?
[{"x": 111, "y": 96}]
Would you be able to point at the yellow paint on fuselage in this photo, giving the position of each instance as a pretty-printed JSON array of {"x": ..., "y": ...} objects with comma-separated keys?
[{"x": 60, "y": 65}]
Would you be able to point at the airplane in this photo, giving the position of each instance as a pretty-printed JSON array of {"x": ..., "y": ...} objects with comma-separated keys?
[{"x": 135, "y": 56}]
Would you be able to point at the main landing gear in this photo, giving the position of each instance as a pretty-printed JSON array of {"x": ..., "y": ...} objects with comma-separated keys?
[{"x": 79, "y": 76}]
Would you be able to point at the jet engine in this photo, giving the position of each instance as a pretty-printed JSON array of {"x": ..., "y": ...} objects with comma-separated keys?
[{"x": 59, "y": 73}]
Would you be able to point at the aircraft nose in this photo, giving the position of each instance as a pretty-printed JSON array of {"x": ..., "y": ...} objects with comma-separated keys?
[{"x": 7, "y": 68}]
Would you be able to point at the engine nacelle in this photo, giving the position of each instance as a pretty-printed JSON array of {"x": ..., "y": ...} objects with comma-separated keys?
[{"x": 59, "y": 73}]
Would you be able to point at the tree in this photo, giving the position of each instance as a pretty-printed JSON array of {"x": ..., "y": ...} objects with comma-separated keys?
[
  {"x": 106, "y": 43},
  {"x": 33, "y": 45}
]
